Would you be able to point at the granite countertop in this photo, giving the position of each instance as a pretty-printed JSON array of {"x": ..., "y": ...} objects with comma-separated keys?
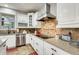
[{"x": 63, "y": 45}]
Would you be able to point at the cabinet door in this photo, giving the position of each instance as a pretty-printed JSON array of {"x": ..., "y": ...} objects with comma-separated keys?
[
  {"x": 21, "y": 17},
  {"x": 38, "y": 45},
  {"x": 27, "y": 39},
  {"x": 49, "y": 49},
  {"x": 30, "y": 17},
  {"x": 65, "y": 13},
  {"x": 3, "y": 49},
  {"x": 34, "y": 21},
  {"x": 11, "y": 42}
]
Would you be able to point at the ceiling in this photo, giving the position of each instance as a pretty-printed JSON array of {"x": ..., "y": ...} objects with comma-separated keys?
[{"x": 25, "y": 7}]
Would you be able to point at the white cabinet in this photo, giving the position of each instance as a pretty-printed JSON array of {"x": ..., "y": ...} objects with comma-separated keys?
[
  {"x": 66, "y": 15},
  {"x": 28, "y": 39},
  {"x": 49, "y": 50},
  {"x": 53, "y": 50},
  {"x": 28, "y": 20},
  {"x": 44, "y": 48},
  {"x": 3, "y": 49},
  {"x": 38, "y": 45},
  {"x": 22, "y": 19},
  {"x": 2, "y": 46},
  {"x": 11, "y": 42},
  {"x": 34, "y": 21}
]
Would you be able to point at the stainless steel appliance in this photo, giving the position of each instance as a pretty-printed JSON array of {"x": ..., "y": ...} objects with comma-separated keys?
[
  {"x": 20, "y": 39},
  {"x": 45, "y": 13}
]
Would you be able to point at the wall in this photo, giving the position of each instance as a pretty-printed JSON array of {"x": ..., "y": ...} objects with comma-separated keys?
[
  {"x": 74, "y": 31},
  {"x": 48, "y": 27}
]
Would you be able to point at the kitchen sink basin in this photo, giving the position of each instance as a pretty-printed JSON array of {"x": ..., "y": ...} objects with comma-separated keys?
[{"x": 74, "y": 43}]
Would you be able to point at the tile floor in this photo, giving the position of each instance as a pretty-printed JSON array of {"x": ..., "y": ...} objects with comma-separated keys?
[{"x": 23, "y": 50}]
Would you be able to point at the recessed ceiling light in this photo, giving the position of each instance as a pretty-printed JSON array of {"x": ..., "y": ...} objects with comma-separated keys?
[{"x": 5, "y": 5}]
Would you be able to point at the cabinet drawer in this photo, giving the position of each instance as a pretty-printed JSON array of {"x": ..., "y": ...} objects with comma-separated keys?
[
  {"x": 61, "y": 52},
  {"x": 54, "y": 50},
  {"x": 49, "y": 50}
]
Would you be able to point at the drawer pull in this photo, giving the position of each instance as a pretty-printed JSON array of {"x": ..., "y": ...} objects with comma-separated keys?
[
  {"x": 53, "y": 49},
  {"x": 31, "y": 38}
]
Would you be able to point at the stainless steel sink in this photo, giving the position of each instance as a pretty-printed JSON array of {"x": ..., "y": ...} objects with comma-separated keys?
[{"x": 74, "y": 43}]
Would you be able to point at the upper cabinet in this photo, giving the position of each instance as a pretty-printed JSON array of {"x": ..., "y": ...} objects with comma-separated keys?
[
  {"x": 33, "y": 23},
  {"x": 22, "y": 20},
  {"x": 68, "y": 15},
  {"x": 28, "y": 20}
]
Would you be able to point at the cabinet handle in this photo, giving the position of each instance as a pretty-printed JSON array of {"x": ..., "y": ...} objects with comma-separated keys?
[
  {"x": 53, "y": 49},
  {"x": 31, "y": 38},
  {"x": 52, "y": 54}
]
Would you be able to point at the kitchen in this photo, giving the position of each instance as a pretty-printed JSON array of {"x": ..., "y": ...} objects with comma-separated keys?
[{"x": 39, "y": 29}]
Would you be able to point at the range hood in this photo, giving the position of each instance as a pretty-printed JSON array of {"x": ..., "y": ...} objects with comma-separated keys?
[{"x": 46, "y": 15}]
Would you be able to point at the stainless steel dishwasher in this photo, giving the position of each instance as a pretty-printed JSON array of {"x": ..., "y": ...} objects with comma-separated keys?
[{"x": 20, "y": 39}]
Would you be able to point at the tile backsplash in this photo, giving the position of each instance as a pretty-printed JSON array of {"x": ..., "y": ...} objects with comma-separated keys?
[
  {"x": 74, "y": 31},
  {"x": 48, "y": 27}
]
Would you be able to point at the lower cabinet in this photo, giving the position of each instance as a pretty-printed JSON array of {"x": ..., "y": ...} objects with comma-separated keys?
[
  {"x": 44, "y": 48},
  {"x": 11, "y": 41},
  {"x": 53, "y": 50},
  {"x": 37, "y": 44},
  {"x": 49, "y": 50},
  {"x": 3, "y": 49},
  {"x": 28, "y": 39}
]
